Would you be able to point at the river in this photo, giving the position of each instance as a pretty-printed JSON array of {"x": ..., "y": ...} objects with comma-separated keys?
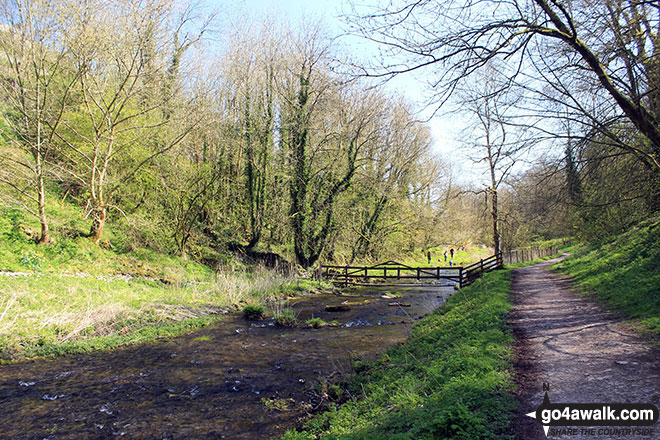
[{"x": 236, "y": 379}]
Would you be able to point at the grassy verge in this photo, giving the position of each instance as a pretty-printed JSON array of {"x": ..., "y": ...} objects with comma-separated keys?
[
  {"x": 451, "y": 380},
  {"x": 623, "y": 272}
]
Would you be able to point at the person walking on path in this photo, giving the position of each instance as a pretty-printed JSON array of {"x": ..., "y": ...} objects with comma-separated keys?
[
  {"x": 428, "y": 256},
  {"x": 445, "y": 256},
  {"x": 451, "y": 252}
]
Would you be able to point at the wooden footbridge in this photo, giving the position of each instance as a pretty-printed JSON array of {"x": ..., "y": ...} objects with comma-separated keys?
[{"x": 460, "y": 276}]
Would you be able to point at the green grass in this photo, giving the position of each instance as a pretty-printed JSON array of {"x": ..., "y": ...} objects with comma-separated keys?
[
  {"x": 450, "y": 380},
  {"x": 464, "y": 257},
  {"x": 40, "y": 312},
  {"x": 285, "y": 318},
  {"x": 77, "y": 297},
  {"x": 623, "y": 272},
  {"x": 72, "y": 252},
  {"x": 320, "y": 323}
]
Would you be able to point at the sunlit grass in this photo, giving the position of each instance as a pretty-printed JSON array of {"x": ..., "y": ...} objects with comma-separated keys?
[
  {"x": 51, "y": 314},
  {"x": 463, "y": 256},
  {"x": 623, "y": 271},
  {"x": 49, "y": 310}
]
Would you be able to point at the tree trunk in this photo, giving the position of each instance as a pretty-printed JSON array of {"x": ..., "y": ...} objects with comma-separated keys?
[
  {"x": 364, "y": 241},
  {"x": 98, "y": 222},
  {"x": 494, "y": 213},
  {"x": 45, "y": 233}
]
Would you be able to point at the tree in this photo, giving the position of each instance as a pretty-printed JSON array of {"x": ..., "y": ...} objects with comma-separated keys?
[
  {"x": 607, "y": 43},
  {"x": 37, "y": 82},
  {"x": 124, "y": 119},
  {"x": 325, "y": 127},
  {"x": 395, "y": 171},
  {"x": 494, "y": 138},
  {"x": 251, "y": 69}
]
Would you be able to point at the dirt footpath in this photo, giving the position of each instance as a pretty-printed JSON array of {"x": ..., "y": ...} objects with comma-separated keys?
[{"x": 585, "y": 353}]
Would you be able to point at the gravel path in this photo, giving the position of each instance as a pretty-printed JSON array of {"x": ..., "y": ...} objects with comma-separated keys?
[{"x": 584, "y": 352}]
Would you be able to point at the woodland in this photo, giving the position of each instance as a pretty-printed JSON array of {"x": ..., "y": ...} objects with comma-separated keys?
[{"x": 267, "y": 139}]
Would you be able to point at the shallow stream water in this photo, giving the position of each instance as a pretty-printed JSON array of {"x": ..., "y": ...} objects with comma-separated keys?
[{"x": 212, "y": 383}]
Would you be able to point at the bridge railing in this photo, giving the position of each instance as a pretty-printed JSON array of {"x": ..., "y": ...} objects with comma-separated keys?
[
  {"x": 476, "y": 270},
  {"x": 391, "y": 270}
]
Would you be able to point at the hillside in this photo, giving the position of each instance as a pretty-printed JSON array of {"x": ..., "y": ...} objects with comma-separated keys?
[{"x": 624, "y": 272}]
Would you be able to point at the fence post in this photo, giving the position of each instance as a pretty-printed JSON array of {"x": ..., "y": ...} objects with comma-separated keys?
[
  {"x": 482, "y": 267},
  {"x": 460, "y": 277}
]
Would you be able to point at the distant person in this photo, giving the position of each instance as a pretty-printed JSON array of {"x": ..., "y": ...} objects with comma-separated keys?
[
  {"x": 451, "y": 251},
  {"x": 451, "y": 263},
  {"x": 445, "y": 256},
  {"x": 428, "y": 256}
]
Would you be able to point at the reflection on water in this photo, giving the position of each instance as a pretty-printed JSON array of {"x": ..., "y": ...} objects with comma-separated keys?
[{"x": 241, "y": 380}]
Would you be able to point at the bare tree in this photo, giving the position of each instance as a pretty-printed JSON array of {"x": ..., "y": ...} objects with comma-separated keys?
[
  {"x": 599, "y": 56},
  {"x": 37, "y": 82},
  {"x": 120, "y": 125},
  {"x": 495, "y": 139}
]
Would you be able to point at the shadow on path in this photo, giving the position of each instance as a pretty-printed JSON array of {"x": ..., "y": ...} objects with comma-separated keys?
[{"x": 585, "y": 353}]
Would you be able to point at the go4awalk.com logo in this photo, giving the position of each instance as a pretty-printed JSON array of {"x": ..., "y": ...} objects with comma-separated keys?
[{"x": 611, "y": 419}]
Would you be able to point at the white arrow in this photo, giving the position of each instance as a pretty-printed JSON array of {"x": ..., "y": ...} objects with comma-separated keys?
[{"x": 545, "y": 427}]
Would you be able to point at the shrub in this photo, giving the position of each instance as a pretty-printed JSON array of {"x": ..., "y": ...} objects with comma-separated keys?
[{"x": 253, "y": 312}]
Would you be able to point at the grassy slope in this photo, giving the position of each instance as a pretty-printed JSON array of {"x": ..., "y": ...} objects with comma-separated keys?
[
  {"x": 624, "y": 272},
  {"x": 451, "y": 380},
  {"x": 73, "y": 300}
]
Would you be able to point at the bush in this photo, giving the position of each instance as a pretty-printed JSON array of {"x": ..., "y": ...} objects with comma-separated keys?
[{"x": 253, "y": 312}]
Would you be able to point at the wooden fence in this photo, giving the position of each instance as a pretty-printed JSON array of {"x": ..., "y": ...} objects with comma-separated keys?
[
  {"x": 524, "y": 255},
  {"x": 476, "y": 270},
  {"x": 391, "y": 270}
]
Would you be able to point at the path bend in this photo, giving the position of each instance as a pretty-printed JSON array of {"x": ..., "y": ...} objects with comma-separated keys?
[{"x": 583, "y": 351}]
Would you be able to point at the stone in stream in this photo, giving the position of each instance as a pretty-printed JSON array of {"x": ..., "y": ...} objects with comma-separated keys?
[
  {"x": 397, "y": 304},
  {"x": 337, "y": 308}
]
